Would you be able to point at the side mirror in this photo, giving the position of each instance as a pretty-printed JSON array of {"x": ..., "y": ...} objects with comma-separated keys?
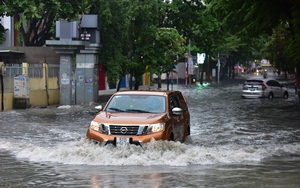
[
  {"x": 177, "y": 111},
  {"x": 99, "y": 107}
]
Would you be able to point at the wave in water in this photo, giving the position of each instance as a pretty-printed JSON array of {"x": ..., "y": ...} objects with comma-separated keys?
[{"x": 154, "y": 153}]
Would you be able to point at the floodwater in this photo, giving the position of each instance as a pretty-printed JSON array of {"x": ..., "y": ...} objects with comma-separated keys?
[{"x": 234, "y": 142}]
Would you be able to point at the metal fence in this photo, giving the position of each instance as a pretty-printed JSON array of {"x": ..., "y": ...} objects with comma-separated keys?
[
  {"x": 53, "y": 70},
  {"x": 34, "y": 71},
  {"x": 12, "y": 70}
]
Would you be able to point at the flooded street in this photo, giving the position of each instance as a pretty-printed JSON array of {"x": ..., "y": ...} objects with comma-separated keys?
[{"x": 234, "y": 142}]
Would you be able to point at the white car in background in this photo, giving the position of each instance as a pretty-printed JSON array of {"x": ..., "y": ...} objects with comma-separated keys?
[{"x": 264, "y": 88}]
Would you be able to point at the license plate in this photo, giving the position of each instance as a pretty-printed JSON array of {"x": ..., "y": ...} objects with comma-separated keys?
[
  {"x": 252, "y": 89},
  {"x": 122, "y": 141}
]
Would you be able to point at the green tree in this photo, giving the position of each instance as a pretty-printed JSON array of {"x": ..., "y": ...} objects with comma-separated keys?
[
  {"x": 162, "y": 54},
  {"x": 144, "y": 25},
  {"x": 207, "y": 35},
  {"x": 114, "y": 23},
  {"x": 2, "y": 32},
  {"x": 36, "y": 18},
  {"x": 251, "y": 19},
  {"x": 130, "y": 30},
  {"x": 125, "y": 27},
  {"x": 276, "y": 49},
  {"x": 2, "y": 13}
]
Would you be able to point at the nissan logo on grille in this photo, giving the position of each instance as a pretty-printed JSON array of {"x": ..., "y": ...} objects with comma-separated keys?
[{"x": 123, "y": 130}]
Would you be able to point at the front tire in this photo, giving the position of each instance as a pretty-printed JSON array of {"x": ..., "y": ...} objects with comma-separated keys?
[
  {"x": 285, "y": 95},
  {"x": 171, "y": 137},
  {"x": 188, "y": 131}
]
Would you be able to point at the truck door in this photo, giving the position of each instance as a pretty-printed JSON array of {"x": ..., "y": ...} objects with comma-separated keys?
[{"x": 177, "y": 120}]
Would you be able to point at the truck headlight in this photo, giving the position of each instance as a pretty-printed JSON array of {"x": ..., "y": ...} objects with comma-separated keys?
[
  {"x": 157, "y": 127},
  {"x": 96, "y": 126}
]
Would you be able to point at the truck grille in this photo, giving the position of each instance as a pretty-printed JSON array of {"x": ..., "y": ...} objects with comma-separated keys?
[{"x": 127, "y": 129}]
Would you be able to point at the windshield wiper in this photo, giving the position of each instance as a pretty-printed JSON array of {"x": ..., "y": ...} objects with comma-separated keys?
[
  {"x": 137, "y": 110},
  {"x": 116, "y": 109}
]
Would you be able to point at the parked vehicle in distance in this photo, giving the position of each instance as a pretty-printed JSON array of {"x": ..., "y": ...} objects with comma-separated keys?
[
  {"x": 260, "y": 88},
  {"x": 136, "y": 117}
]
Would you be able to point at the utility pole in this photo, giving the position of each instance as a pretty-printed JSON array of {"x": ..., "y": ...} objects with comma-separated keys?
[
  {"x": 2, "y": 72},
  {"x": 218, "y": 67},
  {"x": 189, "y": 66}
]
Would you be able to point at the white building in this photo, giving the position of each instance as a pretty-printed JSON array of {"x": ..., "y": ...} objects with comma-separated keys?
[{"x": 8, "y": 24}]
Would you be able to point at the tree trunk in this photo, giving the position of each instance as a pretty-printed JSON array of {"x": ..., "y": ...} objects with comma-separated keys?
[
  {"x": 208, "y": 71},
  {"x": 2, "y": 91},
  {"x": 130, "y": 82},
  {"x": 136, "y": 84},
  {"x": 159, "y": 81},
  {"x": 119, "y": 84},
  {"x": 168, "y": 80},
  {"x": 201, "y": 76}
]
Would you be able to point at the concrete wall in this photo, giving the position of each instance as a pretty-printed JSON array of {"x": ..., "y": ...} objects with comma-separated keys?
[
  {"x": 8, "y": 101},
  {"x": 43, "y": 91},
  {"x": 53, "y": 83},
  {"x": 33, "y": 55},
  {"x": 53, "y": 96},
  {"x": 39, "y": 96},
  {"x": 40, "y": 83}
]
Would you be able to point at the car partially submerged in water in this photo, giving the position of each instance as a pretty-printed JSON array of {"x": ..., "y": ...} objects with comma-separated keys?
[
  {"x": 137, "y": 117},
  {"x": 264, "y": 88}
]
